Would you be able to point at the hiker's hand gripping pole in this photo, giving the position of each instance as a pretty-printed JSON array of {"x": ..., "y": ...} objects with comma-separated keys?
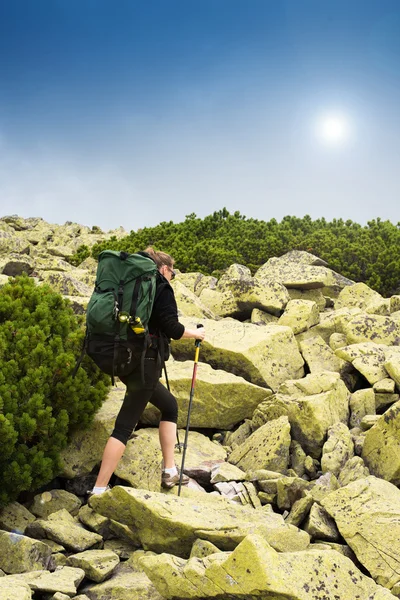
[{"x": 196, "y": 360}]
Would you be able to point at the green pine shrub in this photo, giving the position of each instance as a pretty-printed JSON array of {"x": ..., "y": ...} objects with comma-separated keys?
[
  {"x": 368, "y": 253},
  {"x": 40, "y": 403}
]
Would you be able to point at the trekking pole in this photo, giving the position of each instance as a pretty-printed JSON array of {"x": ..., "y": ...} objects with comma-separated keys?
[
  {"x": 178, "y": 444},
  {"x": 196, "y": 359}
]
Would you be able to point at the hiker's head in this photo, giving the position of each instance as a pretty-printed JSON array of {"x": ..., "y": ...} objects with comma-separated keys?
[{"x": 164, "y": 262}]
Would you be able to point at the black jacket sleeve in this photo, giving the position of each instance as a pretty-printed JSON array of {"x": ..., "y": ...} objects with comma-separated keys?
[{"x": 164, "y": 316}]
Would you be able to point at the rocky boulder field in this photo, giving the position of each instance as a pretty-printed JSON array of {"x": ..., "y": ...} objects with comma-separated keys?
[{"x": 293, "y": 454}]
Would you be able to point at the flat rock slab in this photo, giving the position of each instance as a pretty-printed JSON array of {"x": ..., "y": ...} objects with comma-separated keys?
[
  {"x": 97, "y": 564},
  {"x": 11, "y": 590},
  {"x": 65, "y": 580},
  {"x": 256, "y": 571},
  {"x": 168, "y": 523},
  {"x": 367, "y": 514},
  {"x": 221, "y": 399},
  {"x": 62, "y": 528}
]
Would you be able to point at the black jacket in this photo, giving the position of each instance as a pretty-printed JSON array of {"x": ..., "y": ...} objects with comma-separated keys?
[{"x": 164, "y": 317}]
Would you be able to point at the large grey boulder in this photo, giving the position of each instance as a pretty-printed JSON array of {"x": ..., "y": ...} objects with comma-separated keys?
[
  {"x": 266, "y": 356},
  {"x": 168, "y": 523},
  {"x": 300, "y": 315},
  {"x": 250, "y": 292},
  {"x": 20, "y": 553},
  {"x": 314, "y": 404},
  {"x": 62, "y": 528},
  {"x": 300, "y": 275},
  {"x": 221, "y": 399},
  {"x": 267, "y": 448},
  {"x": 254, "y": 570},
  {"x": 367, "y": 514},
  {"x": 381, "y": 449}
]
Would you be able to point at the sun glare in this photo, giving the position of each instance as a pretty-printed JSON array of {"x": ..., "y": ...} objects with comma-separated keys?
[{"x": 333, "y": 129}]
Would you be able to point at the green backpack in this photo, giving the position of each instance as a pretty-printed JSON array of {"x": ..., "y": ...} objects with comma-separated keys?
[{"x": 119, "y": 310}]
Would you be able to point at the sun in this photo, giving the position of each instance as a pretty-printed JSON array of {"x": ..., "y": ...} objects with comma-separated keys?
[{"x": 333, "y": 129}]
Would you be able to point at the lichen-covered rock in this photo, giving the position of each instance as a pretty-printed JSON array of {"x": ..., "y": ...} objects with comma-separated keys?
[
  {"x": 381, "y": 449},
  {"x": 379, "y": 306},
  {"x": 168, "y": 523},
  {"x": 221, "y": 399},
  {"x": 300, "y": 315},
  {"x": 371, "y": 367},
  {"x": 97, "y": 564},
  {"x": 320, "y": 525},
  {"x": 337, "y": 340},
  {"x": 394, "y": 303},
  {"x": 367, "y": 514},
  {"x": 201, "y": 548},
  {"x": 51, "y": 501},
  {"x": 85, "y": 448},
  {"x": 221, "y": 304},
  {"x": 362, "y": 403},
  {"x": 250, "y": 293},
  {"x": 354, "y": 469},
  {"x": 255, "y": 570},
  {"x": 260, "y": 317},
  {"x": 189, "y": 304},
  {"x": 358, "y": 295},
  {"x": 384, "y": 386},
  {"x": 267, "y": 448},
  {"x": 297, "y": 458},
  {"x": 314, "y": 404},
  {"x": 226, "y": 472},
  {"x": 62, "y": 528},
  {"x": 15, "y": 264},
  {"x": 140, "y": 465},
  {"x": 128, "y": 582},
  {"x": 15, "y": 518},
  {"x": 12, "y": 590},
  {"x": 393, "y": 368},
  {"x": 293, "y": 274},
  {"x": 334, "y": 322},
  {"x": 65, "y": 283},
  {"x": 266, "y": 356},
  {"x": 319, "y": 356},
  {"x": 313, "y": 295},
  {"x": 372, "y": 328},
  {"x": 19, "y": 553},
  {"x": 337, "y": 450},
  {"x": 65, "y": 580}
]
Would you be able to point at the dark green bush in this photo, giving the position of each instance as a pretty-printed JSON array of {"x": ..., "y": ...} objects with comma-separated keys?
[
  {"x": 367, "y": 253},
  {"x": 80, "y": 255},
  {"x": 40, "y": 403}
]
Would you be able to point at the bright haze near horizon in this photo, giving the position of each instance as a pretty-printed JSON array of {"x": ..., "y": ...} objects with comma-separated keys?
[{"x": 131, "y": 113}]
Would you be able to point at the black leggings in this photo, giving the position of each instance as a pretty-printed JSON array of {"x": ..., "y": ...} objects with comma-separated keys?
[{"x": 138, "y": 395}]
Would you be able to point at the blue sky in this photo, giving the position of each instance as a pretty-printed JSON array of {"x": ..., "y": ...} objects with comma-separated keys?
[{"x": 130, "y": 113}]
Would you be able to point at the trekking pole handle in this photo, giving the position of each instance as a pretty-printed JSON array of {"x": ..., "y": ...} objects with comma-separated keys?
[{"x": 198, "y": 342}]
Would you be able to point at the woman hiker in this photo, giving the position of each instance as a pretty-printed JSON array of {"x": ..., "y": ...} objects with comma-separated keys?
[{"x": 163, "y": 322}]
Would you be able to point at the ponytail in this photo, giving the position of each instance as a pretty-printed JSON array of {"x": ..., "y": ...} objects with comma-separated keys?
[{"x": 160, "y": 258}]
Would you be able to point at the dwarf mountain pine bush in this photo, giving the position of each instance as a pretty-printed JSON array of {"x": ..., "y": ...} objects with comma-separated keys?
[{"x": 40, "y": 403}]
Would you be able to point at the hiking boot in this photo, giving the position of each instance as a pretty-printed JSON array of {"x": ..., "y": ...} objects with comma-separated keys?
[{"x": 168, "y": 481}]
